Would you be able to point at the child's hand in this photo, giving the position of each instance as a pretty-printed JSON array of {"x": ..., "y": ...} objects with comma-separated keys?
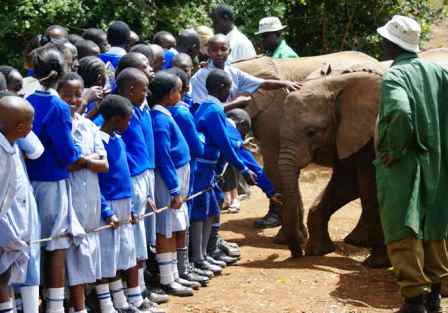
[
  {"x": 95, "y": 93},
  {"x": 250, "y": 177},
  {"x": 277, "y": 199},
  {"x": 176, "y": 203},
  {"x": 113, "y": 221},
  {"x": 151, "y": 204},
  {"x": 133, "y": 218}
]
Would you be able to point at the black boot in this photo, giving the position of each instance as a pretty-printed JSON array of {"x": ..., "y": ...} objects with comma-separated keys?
[
  {"x": 271, "y": 219},
  {"x": 413, "y": 305},
  {"x": 433, "y": 299}
]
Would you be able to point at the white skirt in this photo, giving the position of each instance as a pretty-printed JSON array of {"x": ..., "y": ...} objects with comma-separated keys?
[{"x": 170, "y": 220}]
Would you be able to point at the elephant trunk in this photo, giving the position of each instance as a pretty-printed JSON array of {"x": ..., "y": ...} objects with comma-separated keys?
[{"x": 292, "y": 215}]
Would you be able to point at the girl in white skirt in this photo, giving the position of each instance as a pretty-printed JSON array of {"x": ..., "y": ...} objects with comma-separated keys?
[
  {"x": 172, "y": 182},
  {"x": 83, "y": 258},
  {"x": 49, "y": 173}
]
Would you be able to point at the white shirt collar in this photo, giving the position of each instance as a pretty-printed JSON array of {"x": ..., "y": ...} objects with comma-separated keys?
[
  {"x": 213, "y": 99},
  {"x": 117, "y": 50},
  {"x": 52, "y": 91},
  {"x": 4, "y": 143},
  {"x": 104, "y": 136},
  {"x": 162, "y": 109}
]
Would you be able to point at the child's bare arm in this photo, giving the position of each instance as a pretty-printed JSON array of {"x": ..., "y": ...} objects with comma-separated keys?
[{"x": 97, "y": 163}]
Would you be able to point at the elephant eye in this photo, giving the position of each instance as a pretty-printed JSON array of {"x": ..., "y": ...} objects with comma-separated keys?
[{"x": 311, "y": 132}]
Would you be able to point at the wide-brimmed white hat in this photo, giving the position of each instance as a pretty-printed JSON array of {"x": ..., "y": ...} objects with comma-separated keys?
[
  {"x": 269, "y": 24},
  {"x": 402, "y": 31}
]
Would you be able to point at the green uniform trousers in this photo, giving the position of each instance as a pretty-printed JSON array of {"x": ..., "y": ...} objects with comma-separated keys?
[{"x": 418, "y": 264}]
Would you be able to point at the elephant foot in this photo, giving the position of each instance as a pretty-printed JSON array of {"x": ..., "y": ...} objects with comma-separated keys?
[
  {"x": 358, "y": 237},
  {"x": 378, "y": 258},
  {"x": 315, "y": 248},
  {"x": 280, "y": 238},
  {"x": 296, "y": 250}
]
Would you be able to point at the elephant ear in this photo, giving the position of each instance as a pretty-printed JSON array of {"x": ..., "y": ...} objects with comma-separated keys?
[{"x": 357, "y": 101}]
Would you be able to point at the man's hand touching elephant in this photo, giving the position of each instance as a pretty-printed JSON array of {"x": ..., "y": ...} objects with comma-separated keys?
[{"x": 271, "y": 84}]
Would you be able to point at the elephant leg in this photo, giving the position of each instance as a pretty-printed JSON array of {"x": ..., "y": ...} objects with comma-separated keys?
[
  {"x": 378, "y": 257},
  {"x": 340, "y": 190}
]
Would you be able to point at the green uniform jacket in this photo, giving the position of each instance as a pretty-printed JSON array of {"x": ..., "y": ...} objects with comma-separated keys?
[
  {"x": 284, "y": 51},
  {"x": 413, "y": 132}
]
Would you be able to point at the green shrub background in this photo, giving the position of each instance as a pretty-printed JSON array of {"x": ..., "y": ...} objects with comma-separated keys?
[{"x": 314, "y": 26}]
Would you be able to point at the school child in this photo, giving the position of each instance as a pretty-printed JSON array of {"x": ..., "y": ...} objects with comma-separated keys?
[
  {"x": 87, "y": 48},
  {"x": 26, "y": 218},
  {"x": 185, "y": 121},
  {"x": 136, "y": 60},
  {"x": 211, "y": 121},
  {"x": 14, "y": 80},
  {"x": 158, "y": 59},
  {"x": 184, "y": 62},
  {"x": 172, "y": 182},
  {"x": 16, "y": 118},
  {"x": 118, "y": 36},
  {"x": 98, "y": 36},
  {"x": 83, "y": 257},
  {"x": 117, "y": 248},
  {"x": 144, "y": 49},
  {"x": 93, "y": 72},
  {"x": 74, "y": 39},
  {"x": 133, "y": 85},
  {"x": 167, "y": 41},
  {"x": 49, "y": 173}
]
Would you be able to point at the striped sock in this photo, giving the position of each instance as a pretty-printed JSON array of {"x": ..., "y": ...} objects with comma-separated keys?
[
  {"x": 6, "y": 307},
  {"x": 174, "y": 266},
  {"x": 135, "y": 296},
  {"x": 55, "y": 300},
  {"x": 165, "y": 268},
  {"x": 103, "y": 295},
  {"x": 118, "y": 296}
]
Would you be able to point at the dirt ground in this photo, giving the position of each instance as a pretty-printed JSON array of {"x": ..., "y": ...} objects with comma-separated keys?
[{"x": 267, "y": 280}]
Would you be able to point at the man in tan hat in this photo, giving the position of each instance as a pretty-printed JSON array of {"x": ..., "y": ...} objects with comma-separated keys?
[
  {"x": 270, "y": 29},
  {"x": 412, "y": 167}
]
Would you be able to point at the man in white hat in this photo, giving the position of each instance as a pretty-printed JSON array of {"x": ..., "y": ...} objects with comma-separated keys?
[
  {"x": 412, "y": 167},
  {"x": 270, "y": 29}
]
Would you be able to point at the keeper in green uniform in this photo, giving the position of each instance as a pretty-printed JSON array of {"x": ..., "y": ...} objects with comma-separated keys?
[
  {"x": 412, "y": 167},
  {"x": 270, "y": 29}
]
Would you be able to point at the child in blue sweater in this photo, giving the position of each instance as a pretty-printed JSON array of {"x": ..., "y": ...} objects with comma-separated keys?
[
  {"x": 118, "y": 36},
  {"x": 211, "y": 121},
  {"x": 185, "y": 121},
  {"x": 133, "y": 85},
  {"x": 83, "y": 264},
  {"x": 49, "y": 173},
  {"x": 172, "y": 182}
]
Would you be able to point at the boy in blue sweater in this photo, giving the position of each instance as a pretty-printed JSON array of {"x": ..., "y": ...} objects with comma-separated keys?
[
  {"x": 118, "y": 36},
  {"x": 133, "y": 85},
  {"x": 211, "y": 121}
]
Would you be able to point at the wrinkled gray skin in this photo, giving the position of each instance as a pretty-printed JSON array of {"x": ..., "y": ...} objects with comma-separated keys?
[
  {"x": 267, "y": 116},
  {"x": 352, "y": 170}
]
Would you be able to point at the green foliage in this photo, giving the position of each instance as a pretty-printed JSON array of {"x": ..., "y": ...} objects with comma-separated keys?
[{"x": 314, "y": 26}]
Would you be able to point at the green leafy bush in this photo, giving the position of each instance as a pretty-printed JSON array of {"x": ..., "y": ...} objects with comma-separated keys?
[{"x": 314, "y": 26}]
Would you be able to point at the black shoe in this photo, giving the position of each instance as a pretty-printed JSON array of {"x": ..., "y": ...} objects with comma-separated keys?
[
  {"x": 149, "y": 307},
  {"x": 221, "y": 256},
  {"x": 413, "y": 305},
  {"x": 229, "y": 248},
  {"x": 271, "y": 219},
  {"x": 187, "y": 283},
  {"x": 129, "y": 309},
  {"x": 191, "y": 276},
  {"x": 433, "y": 300},
  {"x": 212, "y": 261},
  {"x": 176, "y": 289},
  {"x": 204, "y": 265},
  {"x": 202, "y": 272}
]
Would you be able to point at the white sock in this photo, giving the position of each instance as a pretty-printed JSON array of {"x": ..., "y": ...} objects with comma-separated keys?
[
  {"x": 135, "y": 296},
  {"x": 6, "y": 307},
  {"x": 174, "y": 265},
  {"x": 118, "y": 296},
  {"x": 18, "y": 305},
  {"x": 141, "y": 279},
  {"x": 55, "y": 300},
  {"x": 103, "y": 295},
  {"x": 165, "y": 267},
  {"x": 30, "y": 299}
]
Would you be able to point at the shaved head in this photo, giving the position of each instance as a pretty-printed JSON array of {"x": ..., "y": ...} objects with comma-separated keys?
[
  {"x": 16, "y": 117},
  {"x": 218, "y": 39},
  {"x": 158, "y": 57}
]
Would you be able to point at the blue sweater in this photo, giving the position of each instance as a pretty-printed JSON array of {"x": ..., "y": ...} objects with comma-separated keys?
[
  {"x": 185, "y": 121},
  {"x": 136, "y": 148},
  {"x": 115, "y": 184},
  {"x": 211, "y": 121},
  {"x": 114, "y": 59},
  {"x": 53, "y": 125},
  {"x": 171, "y": 148},
  {"x": 146, "y": 122}
]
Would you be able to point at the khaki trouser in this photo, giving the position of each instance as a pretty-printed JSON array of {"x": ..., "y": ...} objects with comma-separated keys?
[{"x": 418, "y": 264}]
